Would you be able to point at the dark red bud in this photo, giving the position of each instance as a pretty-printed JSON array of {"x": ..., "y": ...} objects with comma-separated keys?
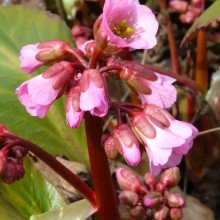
[
  {"x": 150, "y": 180},
  {"x": 176, "y": 214},
  {"x": 136, "y": 212},
  {"x": 153, "y": 199},
  {"x": 161, "y": 213},
  {"x": 129, "y": 198}
]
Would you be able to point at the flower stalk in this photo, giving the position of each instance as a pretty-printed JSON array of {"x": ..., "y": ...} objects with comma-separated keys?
[{"x": 106, "y": 200}]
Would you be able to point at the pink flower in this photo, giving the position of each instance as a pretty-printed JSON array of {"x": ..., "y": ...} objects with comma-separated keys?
[
  {"x": 38, "y": 93},
  {"x": 166, "y": 139},
  {"x": 127, "y": 24},
  {"x": 127, "y": 144},
  {"x": 93, "y": 96},
  {"x": 74, "y": 115},
  {"x": 163, "y": 93},
  {"x": 28, "y": 60},
  {"x": 33, "y": 56}
]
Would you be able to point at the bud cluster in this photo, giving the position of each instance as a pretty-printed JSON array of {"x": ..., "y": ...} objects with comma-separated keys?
[
  {"x": 150, "y": 198},
  {"x": 189, "y": 10},
  {"x": 11, "y": 157}
]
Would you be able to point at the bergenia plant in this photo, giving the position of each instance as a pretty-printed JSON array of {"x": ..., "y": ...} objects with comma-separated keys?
[{"x": 82, "y": 76}]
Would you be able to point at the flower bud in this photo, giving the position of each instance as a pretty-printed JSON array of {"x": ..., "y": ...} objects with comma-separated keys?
[
  {"x": 161, "y": 213},
  {"x": 18, "y": 152},
  {"x": 13, "y": 171},
  {"x": 175, "y": 200},
  {"x": 176, "y": 214},
  {"x": 178, "y": 6},
  {"x": 129, "y": 198},
  {"x": 153, "y": 199},
  {"x": 128, "y": 180},
  {"x": 170, "y": 177},
  {"x": 136, "y": 212},
  {"x": 109, "y": 145},
  {"x": 52, "y": 51},
  {"x": 150, "y": 180},
  {"x": 3, "y": 161},
  {"x": 127, "y": 144}
]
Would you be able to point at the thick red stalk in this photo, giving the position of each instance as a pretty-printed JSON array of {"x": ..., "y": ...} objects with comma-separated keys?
[
  {"x": 201, "y": 63},
  {"x": 102, "y": 181},
  {"x": 171, "y": 38},
  {"x": 60, "y": 169}
]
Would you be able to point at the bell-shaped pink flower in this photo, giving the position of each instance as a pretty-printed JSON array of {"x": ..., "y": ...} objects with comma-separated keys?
[
  {"x": 74, "y": 115},
  {"x": 93, "y": 96},
  {"x": 38, "y": 93},
  {"x": 126, "y": 24},
  {"x": 127, "y": 144},
  {"x": 166, "y": 139},
  {"x": 163, "y": 93},
  {"x": 33, "y": 56}
]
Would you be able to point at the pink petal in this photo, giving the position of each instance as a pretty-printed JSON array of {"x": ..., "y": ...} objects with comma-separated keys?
[
  {"x": 131, "y": 154},
  {"x": 27, "y": 58},
  {"x": 41, "y": 90}
]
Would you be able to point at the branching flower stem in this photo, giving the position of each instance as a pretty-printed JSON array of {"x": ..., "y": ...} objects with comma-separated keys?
[{"x": 59, "y": 168}]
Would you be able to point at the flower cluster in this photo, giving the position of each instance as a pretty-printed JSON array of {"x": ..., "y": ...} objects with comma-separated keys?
[
  {"x": 82, "y": 74},
  {"x": 189, "y": 11},
  {"x": 151, "y": 198},
  {"x": 11, "y": 157}
]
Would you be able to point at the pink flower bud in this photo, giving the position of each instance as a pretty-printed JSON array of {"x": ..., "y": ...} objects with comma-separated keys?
[
  {"x": 150, "y": 180},
  {"x": 161, "y": 213},
  {"x": 170, "y": 177},
  {"x": 74, "y": 115},
  {"x": 110, "y": 147},
  {"x": 136, "y": 212},
  {"x": 175, "y": 200},
  {"x": 178, "y": 6},
  {"x": 128, "y": 180},
  {"x": 33, "y": 56},
  {"x": 176, "y": 214},
  {"x": 127, "y": 144},
  {"x": 129, "y": 198},
  {"x": 153, "y": 199}
]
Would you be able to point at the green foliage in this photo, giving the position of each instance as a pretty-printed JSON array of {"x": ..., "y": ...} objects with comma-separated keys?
[
  {"x": 78, "y": 211},
  {"x": 20, "y": 26},
  {"x": 203, "y": 21},
  {"x": 31, "y": 195}
]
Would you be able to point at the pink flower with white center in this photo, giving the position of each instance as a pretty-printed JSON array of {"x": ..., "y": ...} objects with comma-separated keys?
[
  {"x": 127, "y": 24},
  {"x": 28, "y": 60},
  {"x": 165, "y": 138},
  {"x": 163, "y": 93},
  {"x": 127, "y": 144},
  {"x": 93, "y": 96},
  {"x": 33, "y": 56},
  {"x": 38, "y": 93},
  {"x": 74, "y": 115}
]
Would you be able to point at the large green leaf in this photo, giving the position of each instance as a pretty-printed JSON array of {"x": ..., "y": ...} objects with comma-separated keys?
[
  {"x": 77, "y": 211},
  {"x": 31, "y": 195},
  {"x": 209, "y": 15},
  {"x": 20, "y": 26},
  {"x": 8, "y": 212}
]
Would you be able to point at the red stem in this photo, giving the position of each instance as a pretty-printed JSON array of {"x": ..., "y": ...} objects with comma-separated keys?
[
  {"x": 201, "y": 63},
  {"x": 60, "y": 169},
  {"x": 171, "y": 38},
  {"x": 102, "y": 181}
]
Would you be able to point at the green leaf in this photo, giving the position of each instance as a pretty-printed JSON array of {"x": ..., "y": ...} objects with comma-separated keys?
[
  {"x": 32, "y": 194},
  {"x": 203, "y": 21},
  {"x": 78, "y": 211},
  {"x": 20, "y": 26},
  {"x": 8, "y": 212}
]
